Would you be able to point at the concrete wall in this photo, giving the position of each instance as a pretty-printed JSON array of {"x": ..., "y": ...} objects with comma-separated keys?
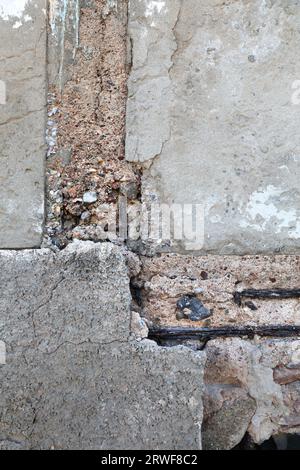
[
  {"x": 212, "y": 119},
  {"x": 23, "y": 38},
  {"x": 74, "y": 376}
]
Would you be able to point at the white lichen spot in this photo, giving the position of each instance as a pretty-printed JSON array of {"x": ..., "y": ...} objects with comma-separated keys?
[
  {"x": 12, "y": 9},
  {"x": 25, "y": 19},
  {"x": 265, "y": 207}
]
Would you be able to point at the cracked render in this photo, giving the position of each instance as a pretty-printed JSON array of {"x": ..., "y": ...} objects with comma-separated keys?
[{"x": 81, "y": 294}]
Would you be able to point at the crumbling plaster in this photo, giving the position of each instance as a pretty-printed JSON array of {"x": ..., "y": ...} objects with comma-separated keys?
[
  {"x": 98, "y": 338},
  {"x": 263, "y": 376},
  {"x": 22, "y": 122}
]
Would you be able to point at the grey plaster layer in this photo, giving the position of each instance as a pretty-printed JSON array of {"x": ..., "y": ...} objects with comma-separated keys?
[
  {"x": 64, "y": 22},
  {"x": 213, "y": 115},
  {"x": 22, "y": 122},
  {"x": 73, "y": 379}
]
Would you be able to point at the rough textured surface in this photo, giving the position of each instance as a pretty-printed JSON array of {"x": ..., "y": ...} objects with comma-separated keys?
[
  {"x": 211, "y": 118},
  {"x": 165, "y": 279},
  {"x": 57, "y": 298},
  {"x": 22, "y": 123},
  {"x": 86, "y": 127},
  {"x": 229, "y": 412},
  {"x": 249, "y": 369},
  {"x": 210, "y": 121},
  {"x": 73, "y": 378},
  {"x": 88, "y": 396}
]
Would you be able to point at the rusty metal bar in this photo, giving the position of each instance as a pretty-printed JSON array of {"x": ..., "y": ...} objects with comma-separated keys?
[
  {"x": 205, "y": 334},
  {"x": 266, "y": 294}
]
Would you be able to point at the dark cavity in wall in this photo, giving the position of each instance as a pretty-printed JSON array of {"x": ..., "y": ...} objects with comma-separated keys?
[{"x": 277, "y": 442}]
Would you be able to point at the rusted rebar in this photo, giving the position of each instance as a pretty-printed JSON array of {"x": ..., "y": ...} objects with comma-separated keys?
[{"x": 204, "y": 334}]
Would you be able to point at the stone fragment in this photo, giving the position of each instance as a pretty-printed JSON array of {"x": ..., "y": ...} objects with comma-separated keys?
[
  {"x": 90, "y": 197},
  {"x": 85, "y": 216},
  {"x": 139, "y": 327},
  {"x": 286, "y": 375},
  {"x": 224, "y": 428},
  {"x": 193, "y": 309},
  {"x": 220, "y": 76}
]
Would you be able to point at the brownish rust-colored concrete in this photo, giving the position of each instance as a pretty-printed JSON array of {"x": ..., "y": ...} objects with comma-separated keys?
[
  {"x": 213, "y": 280},
  {"x": 89, "y": 155}
]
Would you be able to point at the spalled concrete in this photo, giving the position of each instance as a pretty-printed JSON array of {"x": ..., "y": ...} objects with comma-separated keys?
[
  {"x": 166, "y": 279},
  {"x": 88, "y": 69},
  {"x": 243, "y": 385},
  {"x": 74, "y": 379},
  {"x": 22, "y": 122},
  {"x": 211, "y": 119},
  {"x": 212, "y": 115}
]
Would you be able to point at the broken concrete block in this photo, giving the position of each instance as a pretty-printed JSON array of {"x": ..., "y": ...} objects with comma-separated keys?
[
  {"x": 22, "y": 122},
  {"x": 64, "y": 297},
  {"x": 225, "y": 427},
  {"x": 72, "y": 378},
  {"x": 152, "y": 387},
  {"x": 211, "y": 110},
  {"x": 92, "y": 396}
]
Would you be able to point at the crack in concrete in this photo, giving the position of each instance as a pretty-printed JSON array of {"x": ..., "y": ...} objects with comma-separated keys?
[
  {"x": 88, "y": 342},
  {"x": 20, "y": 118},
  {"x": 174, "y": 31}
]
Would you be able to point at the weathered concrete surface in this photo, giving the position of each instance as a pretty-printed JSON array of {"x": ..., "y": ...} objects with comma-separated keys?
[
  {"x": 239, "y": 372},
  {"x": 56, "y": 298},
  {"x": 88, "y": 71},
  {"x": 22, "y": 122},
  {"x": 73, "y": 378},
  {"x": 210, "y": 114},
  {"x": 165, "y": 279}
]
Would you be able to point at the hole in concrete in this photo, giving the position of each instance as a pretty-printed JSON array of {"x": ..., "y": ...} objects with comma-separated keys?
[
  {"x": 136, "y": 293},
  {"x": 277, "y": 442}
]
